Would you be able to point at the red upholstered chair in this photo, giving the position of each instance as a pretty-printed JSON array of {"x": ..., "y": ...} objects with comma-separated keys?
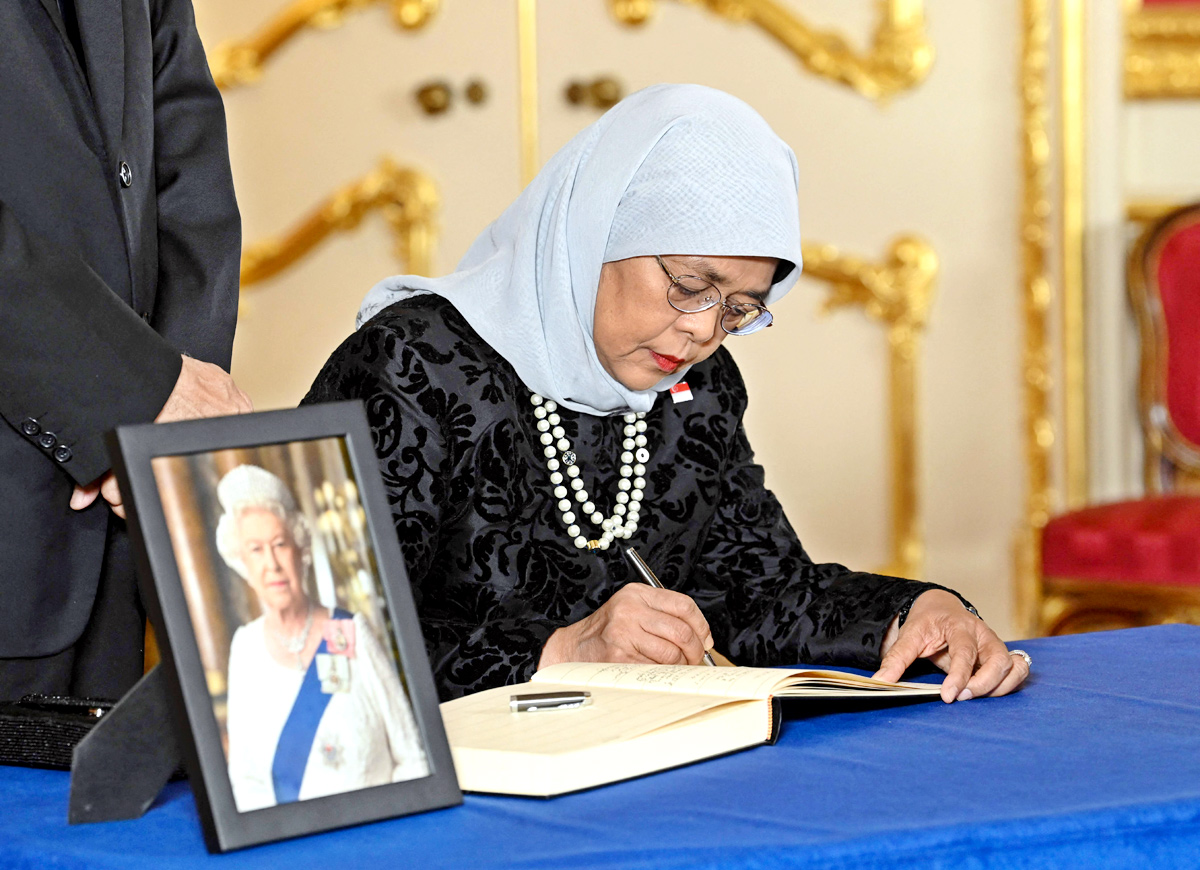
[{"x": 1138, "y": 562}]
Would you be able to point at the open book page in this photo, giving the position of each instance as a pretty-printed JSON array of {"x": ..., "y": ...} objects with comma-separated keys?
[
  {"x": 484, "y": 721},
  {"x": 722, "y": 682}
]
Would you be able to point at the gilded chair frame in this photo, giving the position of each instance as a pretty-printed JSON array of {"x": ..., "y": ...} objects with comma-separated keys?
[
  {"x": 1162, "y": 50},
  {"x": 1171, "y": 461}
]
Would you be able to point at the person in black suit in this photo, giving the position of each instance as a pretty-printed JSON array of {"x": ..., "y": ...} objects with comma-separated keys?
[{"x": 119, "y": 256}]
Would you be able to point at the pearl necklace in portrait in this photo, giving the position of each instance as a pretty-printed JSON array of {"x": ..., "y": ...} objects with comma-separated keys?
[
  {"x": 295, "y": 644},
  {"x": 634, "y": 456}
]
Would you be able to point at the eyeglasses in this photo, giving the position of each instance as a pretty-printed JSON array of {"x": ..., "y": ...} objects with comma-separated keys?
[{"x": 691, "y": 295}]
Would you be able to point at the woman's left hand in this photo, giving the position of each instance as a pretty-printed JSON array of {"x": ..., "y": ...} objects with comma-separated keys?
[{"x": 939, "y": 628}]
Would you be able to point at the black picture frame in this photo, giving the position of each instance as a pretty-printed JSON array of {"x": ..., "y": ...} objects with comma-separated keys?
[{"x": 134, "y": 450}]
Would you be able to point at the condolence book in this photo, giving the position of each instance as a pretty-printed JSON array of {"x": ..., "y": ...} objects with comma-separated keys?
[{"x": 640, "y": 719}]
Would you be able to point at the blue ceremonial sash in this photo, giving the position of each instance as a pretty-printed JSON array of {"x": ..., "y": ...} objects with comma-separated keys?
[{"x": 300, "y": 729}]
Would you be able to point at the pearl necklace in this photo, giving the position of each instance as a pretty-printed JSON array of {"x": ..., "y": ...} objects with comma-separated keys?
[{"x": 634, "y": 456}]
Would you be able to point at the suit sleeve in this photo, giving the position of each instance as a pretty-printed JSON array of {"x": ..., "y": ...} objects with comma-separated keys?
[
  {"x": 199, "y": 230},
  {"x": 75, "y": 360}
]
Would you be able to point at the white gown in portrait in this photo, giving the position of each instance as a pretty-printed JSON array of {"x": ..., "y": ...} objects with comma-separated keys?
[{"x": 366, "y": 736}]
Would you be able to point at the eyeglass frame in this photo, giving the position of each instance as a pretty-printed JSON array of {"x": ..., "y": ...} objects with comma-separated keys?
[{"x": 720, "y": 300}]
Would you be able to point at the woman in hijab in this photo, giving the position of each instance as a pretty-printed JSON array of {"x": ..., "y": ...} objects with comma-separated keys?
[{"x": 564, "y": 394}]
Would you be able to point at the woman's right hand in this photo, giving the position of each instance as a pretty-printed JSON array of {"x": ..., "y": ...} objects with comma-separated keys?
[{"x": 638, "y": 624}]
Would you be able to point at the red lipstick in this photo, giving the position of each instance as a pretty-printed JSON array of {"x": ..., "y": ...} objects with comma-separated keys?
[{"x": 667, "y": 363}]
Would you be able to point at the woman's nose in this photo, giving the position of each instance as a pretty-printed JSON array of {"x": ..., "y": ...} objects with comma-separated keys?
[{"x": 701, "y": 326}]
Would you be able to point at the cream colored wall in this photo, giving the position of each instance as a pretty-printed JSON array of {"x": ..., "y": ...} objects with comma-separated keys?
[{"x": 941, "y": 161}]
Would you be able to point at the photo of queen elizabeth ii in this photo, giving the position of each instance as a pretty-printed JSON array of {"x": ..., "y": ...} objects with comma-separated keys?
[{"x": 300, "y": 665}]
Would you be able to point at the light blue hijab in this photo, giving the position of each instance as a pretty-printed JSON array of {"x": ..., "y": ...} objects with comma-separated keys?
[{"x": 672, "y": 169}]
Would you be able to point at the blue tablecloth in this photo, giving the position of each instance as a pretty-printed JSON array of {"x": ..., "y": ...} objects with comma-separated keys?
[{"x": 1095, "y": 764}]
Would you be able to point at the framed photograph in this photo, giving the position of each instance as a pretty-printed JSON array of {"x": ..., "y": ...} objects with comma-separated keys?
[{"x": 274, "y": 581}]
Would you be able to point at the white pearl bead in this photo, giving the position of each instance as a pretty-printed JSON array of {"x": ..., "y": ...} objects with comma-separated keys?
[
  {"x": 607, "y": 525},
  {"x": 640, "y": 441},
  {"x": 564, "y": 504},
  {"x": 639, "y": 483},
  {"x": 626, "y": 471},
  {"x": 630, "y": 529},
  {"x": 543, "y": 426},
  {"x": 619, "y": 509},
  {"x": 576, "y": 484},
  {"x": 573, "y": 531},
  {"x": 628, "y": 418},
  {"x": 639, "y": 469},
  {"x": 643, "y": 455},
  {"x": 552, "y": 464},
  {"x": 622, "y": 497},
  {"x": 598, "y": 518},
  {"x": 589, "y": 508},
  {"x": 563, "y": 444},
  {"x": 581, "y": 496},
  {"x": 535, "y": 399},
  {"x": 556, "y": 478},
  {"x": 540, "y": 413},
  {"x": 557, "y": 431},
  {"x": 640, "y": 425},
  {"x": 581, "y": 542},
  {"x": 632, "y": 518},
  {"x": 630, "y": 431},
  {"x": 549, "y": 452},
  {"x": 628, "y": 444},
  {"x": 636, "y": 495},
  {"x": 627, "y": 457},
  {"x": 572, "y": 471},
  {"x": 560, "y": 491},
  {"x": 554, "y": 419},
  {"x": 552, "y": 406},
  {"x": 546, "y": 438},
  {"x": 624, "y": 483},
  {"x": 569, "y": 517}
]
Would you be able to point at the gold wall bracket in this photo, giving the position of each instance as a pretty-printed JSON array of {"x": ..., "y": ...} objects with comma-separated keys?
[
  {"x": 899, "y": 58},
  {"x": 408, "y": 199},
  {"x": 897, "y": 292},
  {"x": 237, "y": 62}
]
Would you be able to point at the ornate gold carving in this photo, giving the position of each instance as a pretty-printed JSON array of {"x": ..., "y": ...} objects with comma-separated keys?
[
  {"x": 240, "y": 61},
  {"x": 899, "y": 58},
  {"x": 1072, "y": 606},
  {"x": 408, "y": 199},
  {"x": 897, "y": 292},
  {"x": 1162, "y": 51},
  {"x": 1037, "y": 296}
]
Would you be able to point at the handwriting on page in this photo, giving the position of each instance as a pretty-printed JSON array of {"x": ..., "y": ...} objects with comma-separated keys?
[{"x": 722, "y": 682}]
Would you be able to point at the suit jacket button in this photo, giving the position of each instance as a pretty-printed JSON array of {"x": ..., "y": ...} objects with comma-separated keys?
[
  {"x": 63, "y": 453},
  {"x": 126, "y": 174},
  {"x": 47, "y": 440},
  {"x": 31, "y": 427}
]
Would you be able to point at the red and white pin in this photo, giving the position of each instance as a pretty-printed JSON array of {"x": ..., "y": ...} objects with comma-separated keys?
[{"x": 681, "y": 392}]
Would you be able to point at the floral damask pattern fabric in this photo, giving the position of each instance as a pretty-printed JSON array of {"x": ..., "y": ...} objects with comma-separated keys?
[{"x": 492, "y": 568}]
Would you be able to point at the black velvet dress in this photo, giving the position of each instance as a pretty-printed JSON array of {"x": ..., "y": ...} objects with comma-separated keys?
[{"x": 493, "y": 570}]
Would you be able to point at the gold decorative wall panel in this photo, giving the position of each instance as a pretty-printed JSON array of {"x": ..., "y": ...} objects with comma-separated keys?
[
  {"x": 899, "y": 58},
  {"x": 897, "y": 292},
  {"x": 408, "y": 200},
  {"x": 1162, "y": 50},
  {"x": 1037, "y": 295},
  {"x": 240, "y": 61}
]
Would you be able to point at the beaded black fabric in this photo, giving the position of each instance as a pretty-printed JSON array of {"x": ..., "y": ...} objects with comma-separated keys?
[{"x": 493, "y": 570}]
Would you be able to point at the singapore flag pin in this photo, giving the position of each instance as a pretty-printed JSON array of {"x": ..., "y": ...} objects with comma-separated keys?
[{"x": 681, "y": 392}]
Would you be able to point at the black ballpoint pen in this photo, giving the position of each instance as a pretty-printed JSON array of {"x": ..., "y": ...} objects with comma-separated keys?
[{"x": 643, "y": 570}]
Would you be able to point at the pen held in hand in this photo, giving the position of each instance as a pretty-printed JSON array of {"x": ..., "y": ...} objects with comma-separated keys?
[{"x": 643, "y": 571}]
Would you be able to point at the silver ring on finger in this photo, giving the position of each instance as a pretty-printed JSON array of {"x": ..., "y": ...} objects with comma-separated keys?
[{"x": 1024, "y": 655}]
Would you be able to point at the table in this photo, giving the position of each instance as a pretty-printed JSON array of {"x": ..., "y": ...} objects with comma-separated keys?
[{"x": 1095, "y": 764}]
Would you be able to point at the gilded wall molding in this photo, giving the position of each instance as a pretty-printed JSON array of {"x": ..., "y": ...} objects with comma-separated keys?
[
  {"x": 897, "y": 292},
  {"x": 1162, "y": 50},
  {"x": 407, "y": 198},
  {"x": 1037, "y": 296},
  {"x": 237, "y": 62},
  {"x": 899, "y": 58}
]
